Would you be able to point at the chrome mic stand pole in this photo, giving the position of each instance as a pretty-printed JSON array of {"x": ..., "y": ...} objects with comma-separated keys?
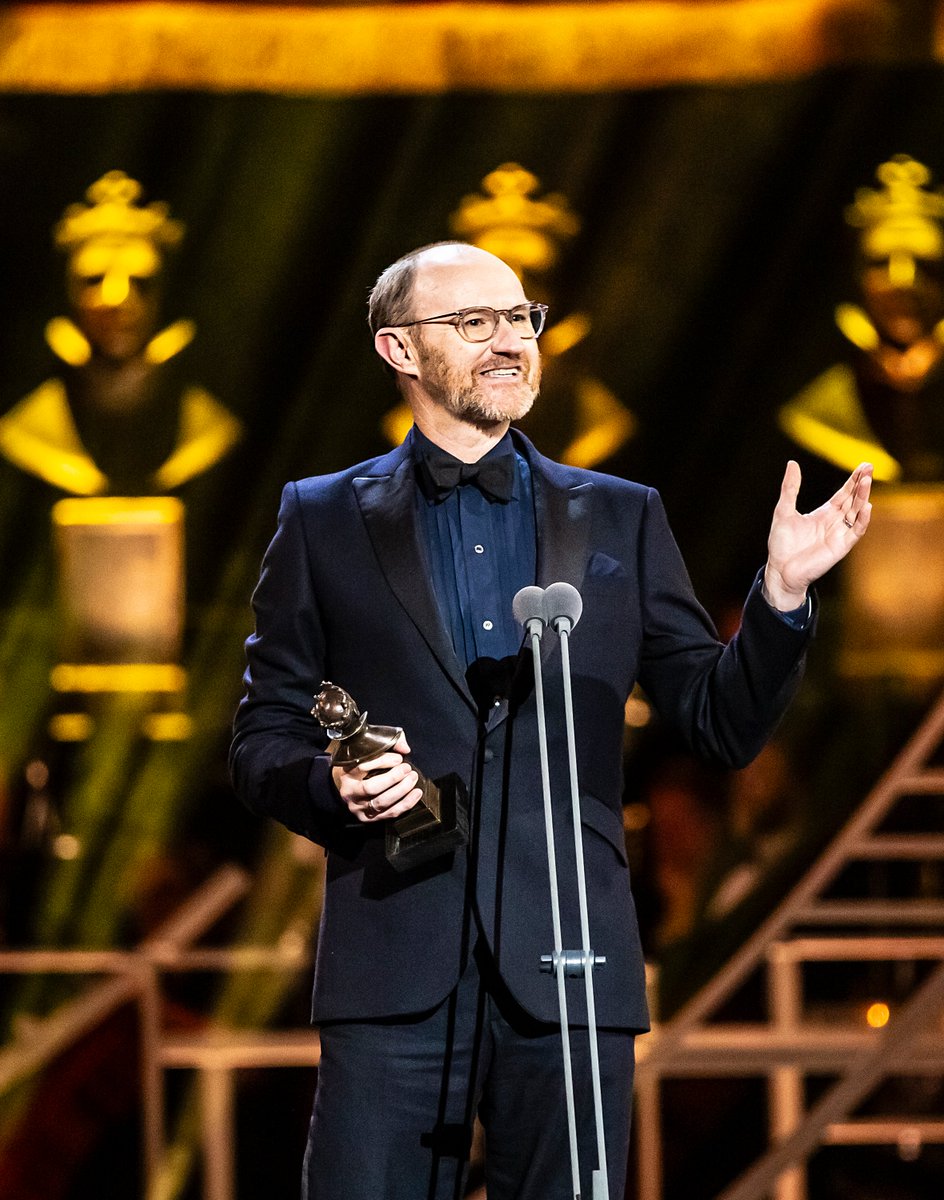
[
  {"x": 562, "y": 609},
  {"x": 529, "y": 609}
]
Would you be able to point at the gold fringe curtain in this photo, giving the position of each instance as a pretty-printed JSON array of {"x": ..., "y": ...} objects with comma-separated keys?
[{"x": 429, "y": 48}]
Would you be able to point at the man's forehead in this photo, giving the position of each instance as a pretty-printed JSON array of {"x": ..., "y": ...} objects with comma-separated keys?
[{"x": 463, "y": 276}]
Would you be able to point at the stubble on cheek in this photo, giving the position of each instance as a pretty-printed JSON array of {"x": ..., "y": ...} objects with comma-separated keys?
[{"x": 467, "y": 397}]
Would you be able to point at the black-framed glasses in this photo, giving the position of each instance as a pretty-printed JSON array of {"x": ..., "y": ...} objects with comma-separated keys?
[{"x": 479, "y": 324}]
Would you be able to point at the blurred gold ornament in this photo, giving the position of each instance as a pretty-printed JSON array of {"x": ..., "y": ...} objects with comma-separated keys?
[
  {"x": 902, "y": 220},
  {"x": 508, "y": 222},
  {"x": 113, "y": 212}
]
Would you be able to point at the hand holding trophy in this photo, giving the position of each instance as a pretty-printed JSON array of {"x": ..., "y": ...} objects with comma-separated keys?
[{"x": 438, "y": 822}]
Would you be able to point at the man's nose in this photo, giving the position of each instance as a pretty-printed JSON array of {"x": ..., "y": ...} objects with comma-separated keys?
[{"x": 506, "y": 336}]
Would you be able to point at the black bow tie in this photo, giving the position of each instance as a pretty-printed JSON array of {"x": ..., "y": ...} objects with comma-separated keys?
[{"x": 493, "y": 476}]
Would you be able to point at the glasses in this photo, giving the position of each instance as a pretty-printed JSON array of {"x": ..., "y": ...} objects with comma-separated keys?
[{"x": 479, "y": 324}]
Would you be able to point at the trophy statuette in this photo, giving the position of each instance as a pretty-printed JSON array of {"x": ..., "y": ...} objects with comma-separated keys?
[{"x": 438, "y": 822}]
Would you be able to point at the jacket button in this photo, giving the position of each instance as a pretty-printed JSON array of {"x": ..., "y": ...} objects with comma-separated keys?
[{"x": 489, "y": 754}]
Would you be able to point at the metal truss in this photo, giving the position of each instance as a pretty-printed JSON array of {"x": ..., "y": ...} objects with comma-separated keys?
[
  {"x": 136, "y": 976},
  {"x": 808, "y": 927}
]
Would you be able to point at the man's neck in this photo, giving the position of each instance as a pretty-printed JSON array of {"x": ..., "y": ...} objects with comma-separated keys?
[{"x": 462, "y": 439}]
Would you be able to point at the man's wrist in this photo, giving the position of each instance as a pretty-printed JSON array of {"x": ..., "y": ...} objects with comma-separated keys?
[{"x": 780, "y": 597}]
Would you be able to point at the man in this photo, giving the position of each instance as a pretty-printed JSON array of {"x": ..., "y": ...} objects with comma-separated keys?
[{"x": 395, "y": 580}]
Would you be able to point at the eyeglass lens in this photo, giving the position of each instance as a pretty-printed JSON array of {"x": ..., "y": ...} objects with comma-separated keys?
[{"x": 479, "y": 324}]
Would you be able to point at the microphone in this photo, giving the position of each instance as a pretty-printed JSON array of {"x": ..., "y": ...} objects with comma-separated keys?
[
  {"x": 562, "y": 606},
  {"x": 528, "y": 607}
]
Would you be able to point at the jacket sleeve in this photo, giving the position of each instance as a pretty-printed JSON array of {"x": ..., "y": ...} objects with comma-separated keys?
[
  {"x": 726, "y": 701},
  {"x": 277, "y": 758}
]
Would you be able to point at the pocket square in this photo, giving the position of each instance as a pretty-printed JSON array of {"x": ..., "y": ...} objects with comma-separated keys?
[{"x": 601, "y": 565}]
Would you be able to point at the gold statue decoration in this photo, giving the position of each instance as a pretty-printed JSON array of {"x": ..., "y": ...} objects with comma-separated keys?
[
  {"x": 510, "y": 223},
  {"x": 580, "y": 421},
  {"x": 117, "y": 428},
  {"x": 118, "y": 419},
  {"x": 885, "y": 402}
]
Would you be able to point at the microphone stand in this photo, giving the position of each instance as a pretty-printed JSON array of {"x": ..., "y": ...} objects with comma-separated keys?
[
  {"x": 560, "y": 606},
  {"x": 563, "y": 607},
  {"x": 529, "y": 609}
]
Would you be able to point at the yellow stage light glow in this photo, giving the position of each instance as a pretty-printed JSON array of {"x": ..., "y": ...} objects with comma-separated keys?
[
  {"x": 118, "y": 677},
  {"x": 636, "y": 817},
  {"x": 66, "y": 847},
  {"x": 71, "y": 727},
  {"x": 893, "y": 590},
  {"x": 37, "y": 774},
  {"x": 167, "y": 727},
  {"x": 121, "y": 585},
  {"x": 637, "y": 712},
  {"x": 878, "y": 1015},
  {"x": 432, "y": 48}
]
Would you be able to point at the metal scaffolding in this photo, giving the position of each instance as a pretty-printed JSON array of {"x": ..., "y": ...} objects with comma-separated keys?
[
  {"x": 136, "y": 975},
  {"x": 790, "y": 1045}
]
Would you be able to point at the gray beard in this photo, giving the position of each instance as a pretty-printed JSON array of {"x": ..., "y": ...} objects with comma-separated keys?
[
  {"x": 473, "y": 406},
  {"x": 470, "y": 402}
]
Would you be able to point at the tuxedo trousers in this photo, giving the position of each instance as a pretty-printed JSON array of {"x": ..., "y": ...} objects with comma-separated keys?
[{"x": 396, "y": 1099}]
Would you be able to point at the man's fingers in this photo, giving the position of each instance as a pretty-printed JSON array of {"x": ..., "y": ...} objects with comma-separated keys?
[
  {"x": 376, "y": 783},
  {"x": 864, "y": 482},
  {"x": 852, "y": 499},
  {"x": 391, "y": 785},
  {"x": 857, "y": 485},
  {"x": 381, "y": 787},
  {"x": 389, "y": 806},
  {"x": 402, "y": 806},
  {"x": 860, "y": 519},
  {"x": 790, "y": 488},
  {"x": 368, "y": 805}
]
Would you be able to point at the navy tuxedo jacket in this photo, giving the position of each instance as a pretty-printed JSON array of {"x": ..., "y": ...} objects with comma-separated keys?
[{"x": 345, "y": 595}]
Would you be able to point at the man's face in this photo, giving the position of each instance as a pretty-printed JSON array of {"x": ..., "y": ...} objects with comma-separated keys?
[{"x": 483, "y": 383}]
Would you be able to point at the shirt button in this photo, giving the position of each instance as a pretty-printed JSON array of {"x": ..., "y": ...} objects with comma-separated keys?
[
  {"x": 489, "y": 755},
  {"x": 479, "y": 549},
  {"x": 486, "y": 625}
]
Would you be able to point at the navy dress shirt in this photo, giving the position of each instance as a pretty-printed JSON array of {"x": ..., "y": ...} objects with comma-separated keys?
[{"x": 481, "y": 551}]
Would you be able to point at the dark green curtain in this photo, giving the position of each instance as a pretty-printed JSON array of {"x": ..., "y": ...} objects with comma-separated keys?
[{"x": 711, "y": 254}]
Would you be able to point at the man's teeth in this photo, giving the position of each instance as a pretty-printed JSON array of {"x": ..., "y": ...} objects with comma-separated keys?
[{"x": 501, "y": 371}]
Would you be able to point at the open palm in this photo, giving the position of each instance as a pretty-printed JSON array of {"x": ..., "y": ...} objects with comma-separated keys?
[{"x": 802, "y": 547}]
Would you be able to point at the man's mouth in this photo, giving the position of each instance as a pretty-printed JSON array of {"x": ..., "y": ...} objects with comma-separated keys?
[{"x": 502, "y": 372}]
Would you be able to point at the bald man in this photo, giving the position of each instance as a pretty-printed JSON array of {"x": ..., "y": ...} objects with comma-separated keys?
[{"x": 395, "y": 579}]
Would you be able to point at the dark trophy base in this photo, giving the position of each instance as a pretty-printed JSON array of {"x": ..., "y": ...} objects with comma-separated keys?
[{"x": 437, "y": 824}]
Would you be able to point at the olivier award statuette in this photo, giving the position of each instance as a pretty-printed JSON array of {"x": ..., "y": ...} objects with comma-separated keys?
[{"x": 438, "y": 822}]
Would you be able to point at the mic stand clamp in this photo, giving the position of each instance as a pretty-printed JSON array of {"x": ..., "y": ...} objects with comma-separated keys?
[{"x": 573, "y": 963}]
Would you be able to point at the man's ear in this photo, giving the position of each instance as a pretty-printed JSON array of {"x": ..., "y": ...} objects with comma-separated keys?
[{"x": 396, "y": 350}]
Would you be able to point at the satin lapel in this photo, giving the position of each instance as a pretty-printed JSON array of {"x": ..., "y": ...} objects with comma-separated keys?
[
  {"x": 562, "y": 519},
  {"x": 563, "y": 524},
  {"x": 387, "y": 506}
]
